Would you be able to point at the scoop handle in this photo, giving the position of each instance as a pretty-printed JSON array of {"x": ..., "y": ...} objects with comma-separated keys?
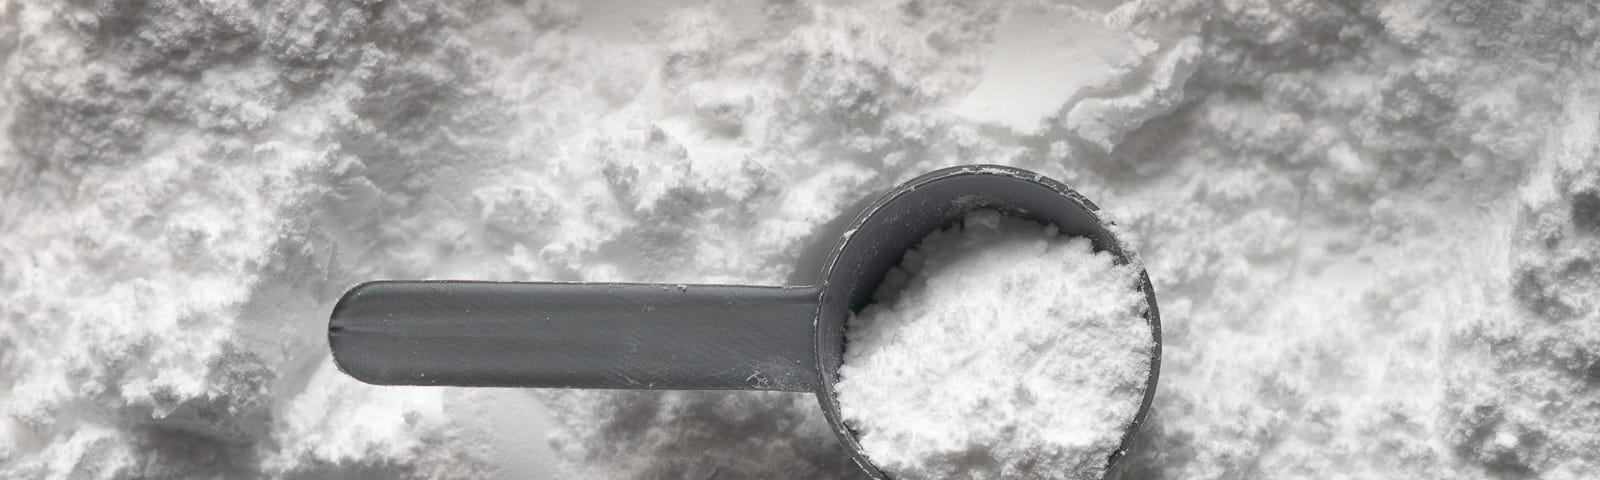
[{"x": 577, "y": 335}]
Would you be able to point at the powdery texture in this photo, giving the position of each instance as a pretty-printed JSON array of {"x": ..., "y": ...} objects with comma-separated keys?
[
  {"x": 1008, "y": 352},
  {"x": 1372, "y": 227},
  {"x": 187, "y": 189}
]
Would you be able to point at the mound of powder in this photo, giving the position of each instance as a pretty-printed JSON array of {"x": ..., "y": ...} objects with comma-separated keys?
[
  {"x": 1374, "y": 226},
  {"x": 1009, "y": 351}
]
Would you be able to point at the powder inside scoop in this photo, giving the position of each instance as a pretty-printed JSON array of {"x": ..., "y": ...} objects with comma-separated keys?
[{"x": 998, "y": 348}]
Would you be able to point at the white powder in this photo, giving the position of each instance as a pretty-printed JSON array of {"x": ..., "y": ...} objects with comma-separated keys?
[
  {"x": 1010, "y": 352},
  {"x": 1374, "y": 227}
]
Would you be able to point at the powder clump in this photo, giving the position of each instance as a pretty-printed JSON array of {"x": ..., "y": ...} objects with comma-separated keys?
[{"x": 998, "y": 349}]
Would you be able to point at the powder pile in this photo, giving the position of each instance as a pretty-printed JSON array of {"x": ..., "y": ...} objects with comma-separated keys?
[
  {"x": 1008, "y": 352},
  {"x": 1374, "y": 227}
]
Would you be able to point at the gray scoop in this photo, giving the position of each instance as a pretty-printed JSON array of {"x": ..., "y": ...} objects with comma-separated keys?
[{"x": 693, "y": 337}]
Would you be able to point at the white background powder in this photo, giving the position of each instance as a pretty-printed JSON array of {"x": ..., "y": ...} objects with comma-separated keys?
[
  {"x": 1374, "y": 228},
  {"x": 1009, "y": 352}
]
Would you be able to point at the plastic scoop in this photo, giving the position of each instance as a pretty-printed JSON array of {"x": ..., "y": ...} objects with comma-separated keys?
[{"x": 693, "y": 337}]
